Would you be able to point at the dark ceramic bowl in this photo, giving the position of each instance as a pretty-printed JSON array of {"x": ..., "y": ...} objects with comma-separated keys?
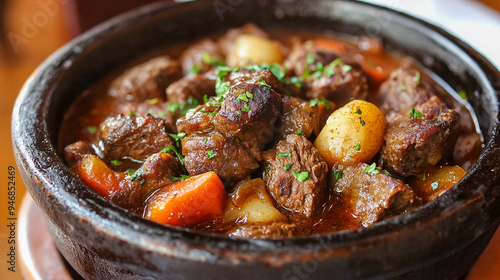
[{"x": 440, "y": 240}]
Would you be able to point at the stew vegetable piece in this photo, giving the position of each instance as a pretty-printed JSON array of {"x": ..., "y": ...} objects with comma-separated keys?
[{"x": 270, "y": 134}]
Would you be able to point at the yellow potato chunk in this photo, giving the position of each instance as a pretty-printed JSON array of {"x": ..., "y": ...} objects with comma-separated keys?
[
  {"x": 352, "y": 134},
  {"x": 252, "y": 49},
  {"x": 251, "y": 203}
]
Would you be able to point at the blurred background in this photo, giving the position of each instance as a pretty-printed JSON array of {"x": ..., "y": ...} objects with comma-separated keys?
[{"x": 30, "y": 30}]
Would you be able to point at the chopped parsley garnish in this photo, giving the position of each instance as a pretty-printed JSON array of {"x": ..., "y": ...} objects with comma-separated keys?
[
  {"x": 183, "y": 107},
  {"x": 338, "y": 174},
  {"x": 152, "y": 101},
  {"x": 266, "y": 170},
  {"x": 314, "y": 102},
  {"x": 330, "y": 68},
  {"x": 116, "y": 162},
  {"x": 208, "y": 59},
  {"x": 417, "y": 78},
  {"x": 131, "y": 113},
  {"x": 358, "y": 147},
  {"x": 310, "y": 58},
  {"x": 402, "y": 88},
  {"x": 262, "y": 82},
  {"x": 424, "y": 177},
  {"x": 288, "y": 166},
  {"x": 136, "y": 175},
  {"x": 387, "y": 173},
  {"x": 301, "y": 176},
  {"x": 361, "y": 121},
  {"x": 296, "y": 81},
  {"x": 177, "y": 137},
  {"x": 161, "y": 114},
  {"x": 359, "y": 112},
  {"x": 130, "y": 171},
  {"x": 464, "y": 95},
  {"x": 435, "y": 185},
  {"x": 346, "y": 68},
  {"x": 182, "y": 177},
  {"x": 415, "y": 114},
  {"x": 208, "y": 113},
  {"x": 371, "y": 169},
  {"x": 245, "y": 108},
  {"x": 300, "y": 133},
  {"x": 177, "y": 154},
  {"x": 195, "y": 69},
  {"x": 284, "y": 154},
  {"x": 210, "y": 154},
  {"x": 245, "y": 96},
  {"x": 92, "y": 129},
  {"x": 221, "y": 88},
  {"x": 205, "y": 140}
]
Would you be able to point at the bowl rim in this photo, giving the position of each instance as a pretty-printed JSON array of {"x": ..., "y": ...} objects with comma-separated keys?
[{"x": 165, "y": 239}]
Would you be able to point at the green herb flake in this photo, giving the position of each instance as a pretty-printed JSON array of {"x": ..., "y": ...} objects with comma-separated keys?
[
  {"x": 152, "y": 101},
  {"x": 301, "y": 176},
  {"x": 161, "y": 114},
  {"x": 177, "y": 154},
  {"x": 338, "y": 174},
  {"x": 296, "y": 81},
  {"x": 92, "y": 129},
  {"x": 195, "y": 69},
  {"x": 266, "y": 170},
  {"x": 136, "y": 175},
  {"x": 435, "y": 185},
  {"x": 116, "y": 162},
  {"x": 245, "y": 108},
  {"x": 299, "y": 133},
  {"x": 284, "y": 154},
  {"x": 205, "y": 140},
  {"x": 177, "y": 137},
  {"x": 358, "y": 147},
  {"x": 387, "y": 173},
  {"x": 359, "y": 112},
  {"x": 424, "y": 178},
  {"x": 314, "y": 102},
  {"x": 131, "y": 113},
  {"x": 330, "y": 69},
  {"x": 210, "y": 154},
  {"x": 130, "y": 171},
  {"x": 221, "y": 88},
  {"x": 417, "y": 78},
  {"x": 463, "y": 94},
  {"x": 208, "y": 59},
  {"x": 262, "y": 82},
  {"x": 371, "y": 169},
  {"x": 242, "y": 97},
  {"x": 361, "y": 121},
  {"x": 415, "y": 114},
  {"x": 402, "y": 88},
  {"x": 346, "y": 68},
  {"x": 182, "y": 177},
  {"x": 310, "y": 58},
  {"x": 288, "y": 166}
]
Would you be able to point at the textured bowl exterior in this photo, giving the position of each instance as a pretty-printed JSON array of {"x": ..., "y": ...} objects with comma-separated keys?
[{"x": 440, "y": 240}]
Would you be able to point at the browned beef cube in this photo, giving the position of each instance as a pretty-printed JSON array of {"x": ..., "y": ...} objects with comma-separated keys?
[
  {"x": 156, "y": 172},
  {"x": 214, "y": 151},
  {"x": 302, "y": 118},
  {"x": 201, "y": 56},
  {"x": 296, "y": 175},
  {"x": 405, "y": 88},
  {"x": 198, "y": 119},
  {"x": 74, "y": 153},
  {"x": 147, "y": 80},
  {"x": 275, "y": 230},
  {"x": 244, "y": 76},
  {"x": 249, "y": 113},
  {"x": 154, "y": 107},
  {"x": 414, "y": 143},
  {"x": 195, "y": 85},
  {"x": 372, "y": 196},
  {"x": 132, "y": 137},
  {"x": 341, "y": 84},
  {"x": 297, "y": 61}
]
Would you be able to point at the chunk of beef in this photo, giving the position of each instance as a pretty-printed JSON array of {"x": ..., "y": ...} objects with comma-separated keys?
[
  {"x": 226, "y": 42},
  {"x": 405, "y": 88},
  {"x": 154, "y": 107},
  {"x": 132, "y": 137},
  {"x": 198, "y": 119},
  {"x": 293, "y": 156},
  {"x": 467, "y": 150},
  {"x": 413, "y": 144},
  {"x": 340, "y": 84},
  {"x": 372, "y": 197},
  {"x": 73, "y": 153},
  {"x": 245, "y": 76},
  {"x": 275, "y": 230},
  {"x": 252, "y": 121},
  {"x": 214, "y": 151},
  {"x": 300, "y": 117},
  {"x": 297, "y": 61},
  {"x": 201, "y": 56},
  {"x": 147, "y": 80},
  {"x": 195, "y": 85}
]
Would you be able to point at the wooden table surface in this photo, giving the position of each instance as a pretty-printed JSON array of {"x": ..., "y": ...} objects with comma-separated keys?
[{"x": 37, "y": 30}]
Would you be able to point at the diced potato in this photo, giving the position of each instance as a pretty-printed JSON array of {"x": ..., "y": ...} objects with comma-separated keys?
[
  {"x": 432, "y": 184},
  {"x": 251, "y": 203},
  {"x": 252, "y": 49},
  {"x": 352, "y": 134}
]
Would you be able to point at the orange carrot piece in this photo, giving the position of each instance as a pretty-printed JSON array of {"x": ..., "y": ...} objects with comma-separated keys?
[
  {"x": 330, "y": 44},
  {"x": 187, "y": 202},
  {"x": 99, "y": 177},
  {"x": 376, "y": 73}
]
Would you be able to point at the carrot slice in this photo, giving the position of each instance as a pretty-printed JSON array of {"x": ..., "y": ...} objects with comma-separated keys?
[
  {"x": 187, "y": 202},
  {"x": 330, "y": 44},
  {"x": 375, "y": 72}
]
